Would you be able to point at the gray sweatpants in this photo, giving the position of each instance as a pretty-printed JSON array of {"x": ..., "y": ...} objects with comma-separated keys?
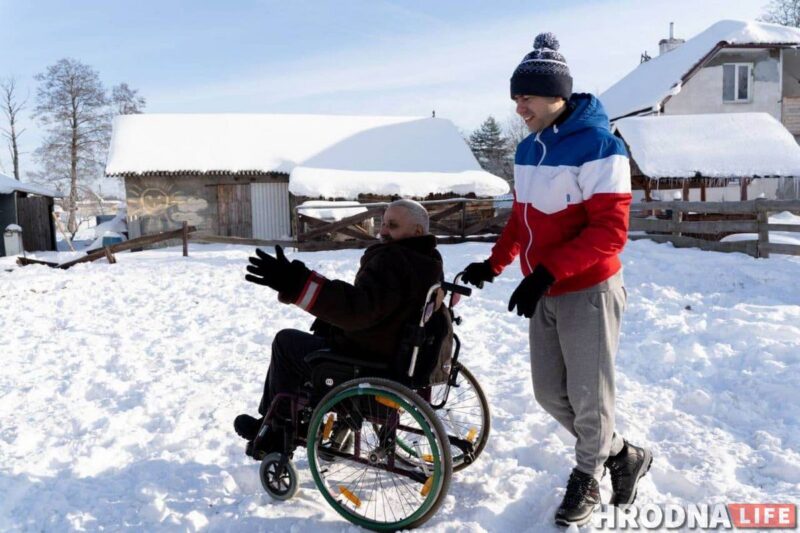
[{"x": 574, "y": 339}]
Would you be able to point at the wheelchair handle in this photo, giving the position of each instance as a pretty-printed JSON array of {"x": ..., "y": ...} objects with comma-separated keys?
[{"x": 458, "y": 289}]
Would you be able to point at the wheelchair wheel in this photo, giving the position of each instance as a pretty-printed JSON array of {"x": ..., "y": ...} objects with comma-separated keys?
[
  {"x": 465, "y": 415},
  {"x": 365, "y": 482},
  {"x": 278, "y": 476}
]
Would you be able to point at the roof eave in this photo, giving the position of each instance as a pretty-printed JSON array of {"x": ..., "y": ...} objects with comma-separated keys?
[{"x": 187, "y": 172}]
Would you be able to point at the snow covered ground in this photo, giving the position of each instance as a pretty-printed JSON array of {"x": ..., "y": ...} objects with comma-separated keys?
[{"x": 119, "y": 385}]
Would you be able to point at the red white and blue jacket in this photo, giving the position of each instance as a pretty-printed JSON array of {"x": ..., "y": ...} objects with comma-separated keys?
[{"x": 572, "y": 195}]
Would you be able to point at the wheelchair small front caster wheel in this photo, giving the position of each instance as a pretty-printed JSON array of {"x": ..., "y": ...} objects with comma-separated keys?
[{"x": 278, "y": 476}]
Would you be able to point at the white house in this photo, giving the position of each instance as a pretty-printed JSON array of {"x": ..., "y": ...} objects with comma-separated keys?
[{"x": 731, "y": 67}]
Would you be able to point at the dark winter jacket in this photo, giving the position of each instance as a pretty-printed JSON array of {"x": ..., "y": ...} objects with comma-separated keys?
[{"x": 369, "y": 316}]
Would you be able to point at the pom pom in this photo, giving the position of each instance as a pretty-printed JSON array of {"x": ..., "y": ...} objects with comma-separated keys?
[{"x": 546, "y": 40}]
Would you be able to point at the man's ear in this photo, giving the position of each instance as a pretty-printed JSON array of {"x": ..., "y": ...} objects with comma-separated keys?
[{"x": 418, "y": 231}]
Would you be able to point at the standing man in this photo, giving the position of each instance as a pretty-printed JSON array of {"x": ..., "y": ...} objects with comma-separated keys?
[{"x": 569, "y": 222}]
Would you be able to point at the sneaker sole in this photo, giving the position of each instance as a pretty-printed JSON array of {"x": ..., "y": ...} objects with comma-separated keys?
[
  {"x": 581, "y": 522},
  {"x": 644, "y": 469}
]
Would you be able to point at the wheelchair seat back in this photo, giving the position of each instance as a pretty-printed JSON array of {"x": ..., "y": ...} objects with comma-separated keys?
[{"x": 423, "y": 356}]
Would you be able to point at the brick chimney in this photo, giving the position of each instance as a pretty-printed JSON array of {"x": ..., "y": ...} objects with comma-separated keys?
[{"x": 665, "y": 45}]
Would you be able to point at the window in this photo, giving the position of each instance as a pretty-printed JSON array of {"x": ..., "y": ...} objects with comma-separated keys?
[{"x": 736, "y": 82}]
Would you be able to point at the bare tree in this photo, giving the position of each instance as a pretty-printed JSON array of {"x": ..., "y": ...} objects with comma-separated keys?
[
  {"x": 71, "y": 103},
  {"x": 784, "y": 12},
  {"x": 126, "y": 100},
  {"x": 515, "y": 130},
  {"x": 11, "y": 107}
]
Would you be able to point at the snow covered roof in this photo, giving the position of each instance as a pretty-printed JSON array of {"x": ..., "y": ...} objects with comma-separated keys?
[
  {"x": 646, "y": 87},
  {"x": 715, "y": 145},
  {"x": 325, "y": 155},
  {"x": 9, "y": 185}
]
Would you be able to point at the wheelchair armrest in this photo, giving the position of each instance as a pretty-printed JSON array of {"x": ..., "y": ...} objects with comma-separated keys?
[{"x": 326, "y": 355}]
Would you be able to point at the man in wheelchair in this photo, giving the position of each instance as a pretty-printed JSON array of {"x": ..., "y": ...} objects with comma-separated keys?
[{"x": 366, "y": 320}]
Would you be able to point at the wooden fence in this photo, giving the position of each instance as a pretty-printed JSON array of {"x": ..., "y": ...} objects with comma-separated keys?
[
  {"x": 685, "y": 224},
  {"x": 109, "y": 251},
  {"x": 700, "y": 224},
  {"x": 454, "y": 220}
]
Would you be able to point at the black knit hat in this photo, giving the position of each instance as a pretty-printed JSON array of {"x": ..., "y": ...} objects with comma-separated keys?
[{"x": 543, "y": 72}]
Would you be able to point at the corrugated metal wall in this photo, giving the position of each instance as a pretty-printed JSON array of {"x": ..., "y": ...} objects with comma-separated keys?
[{"x": 270, "y": 205}]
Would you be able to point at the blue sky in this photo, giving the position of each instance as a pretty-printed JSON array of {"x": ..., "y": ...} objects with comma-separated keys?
[{"x": 345, "y": 57}]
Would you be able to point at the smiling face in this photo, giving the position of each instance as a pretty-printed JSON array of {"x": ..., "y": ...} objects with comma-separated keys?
[
  {"x": 539, "y": 112},
  {"x": 399, "y": 224}
]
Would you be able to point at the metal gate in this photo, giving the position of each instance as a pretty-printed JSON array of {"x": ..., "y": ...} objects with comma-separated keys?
[
  {"x": 33, "y": 214},
  {"x": 271, "y": 219},
  {"x": 233, "y": 211}
]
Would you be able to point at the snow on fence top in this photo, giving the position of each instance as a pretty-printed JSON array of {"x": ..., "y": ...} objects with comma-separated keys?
[
  {"x": 332, "y": 211},
  {"x": 324, "y": 155},
  {"x": 646, "y": 87},
  {"x": 9, "y": 185},
  {"x": 715, "y": 145}
]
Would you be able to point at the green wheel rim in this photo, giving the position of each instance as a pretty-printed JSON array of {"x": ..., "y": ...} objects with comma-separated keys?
[{"x": 438, "y": 475}]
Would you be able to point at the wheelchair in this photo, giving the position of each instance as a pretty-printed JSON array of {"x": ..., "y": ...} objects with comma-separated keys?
[{"x": 382, "y": 444}]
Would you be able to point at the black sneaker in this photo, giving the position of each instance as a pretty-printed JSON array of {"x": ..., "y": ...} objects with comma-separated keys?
[
  {"x": 247, "y": 426},
  {"x": 580, "y": 501},
  {"x": 266, "y": 441},
  {"x": 627, "y": 468}
]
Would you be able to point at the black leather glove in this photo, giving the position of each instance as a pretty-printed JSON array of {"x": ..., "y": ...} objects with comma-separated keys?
[
  {"x": 530, "y": 291},
  {"x": 477, "y": 273},
  {"x": 278, "y": 273}
]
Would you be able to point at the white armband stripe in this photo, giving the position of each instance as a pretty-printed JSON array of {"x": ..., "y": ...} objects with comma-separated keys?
[{"x": 310, "y": 292}]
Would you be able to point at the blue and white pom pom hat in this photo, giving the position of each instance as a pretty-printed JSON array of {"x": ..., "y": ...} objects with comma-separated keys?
[{"x": 543, "y": 72}]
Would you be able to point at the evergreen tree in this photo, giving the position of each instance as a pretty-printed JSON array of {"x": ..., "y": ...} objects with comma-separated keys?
[{"x": 492, "y": 149}]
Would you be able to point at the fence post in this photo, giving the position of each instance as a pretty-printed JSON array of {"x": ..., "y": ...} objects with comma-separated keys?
[
  {"x": 677, "y": 217},
  {"x": 463, "y": 218},
  {"x": 762, "y": 218},
  {"x": 185, "y": 236}
]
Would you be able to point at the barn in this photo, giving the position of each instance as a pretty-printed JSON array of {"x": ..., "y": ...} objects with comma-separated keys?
[
  {"x": 29, "y": 206},
  {"x": 243, "y": 175}
]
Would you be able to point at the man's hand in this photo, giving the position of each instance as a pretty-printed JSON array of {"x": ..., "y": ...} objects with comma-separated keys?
[
  {"x": 278, "y": 273},
  {"x": 530, "y": 291},
  {"x": 477, "y": 273}
]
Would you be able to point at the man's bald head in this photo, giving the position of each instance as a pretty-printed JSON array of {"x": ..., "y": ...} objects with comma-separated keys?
[{"x": 404, "y": 219}]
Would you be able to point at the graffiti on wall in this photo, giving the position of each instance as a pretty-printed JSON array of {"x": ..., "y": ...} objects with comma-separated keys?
[{"x": 165, "y": 203}]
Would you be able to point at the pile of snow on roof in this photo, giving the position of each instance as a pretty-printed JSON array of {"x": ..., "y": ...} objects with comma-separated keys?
[
  {"x": 9, "y": 185},
  {"x": 325, "y": 155},
  {"x": 714, "y": 145},
  {"x": 646, "y": 86}
]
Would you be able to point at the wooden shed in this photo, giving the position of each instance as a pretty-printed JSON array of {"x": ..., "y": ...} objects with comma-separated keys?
[
  {"x": 243, "y": 174},
  {"x": 722, "y": 156},
  {"x": 29, "y": 206}
]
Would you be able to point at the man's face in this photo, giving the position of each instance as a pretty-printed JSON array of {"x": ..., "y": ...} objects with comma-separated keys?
[
  {"x": 397, "y": 224},
  {"x": 538, "y": 112}
]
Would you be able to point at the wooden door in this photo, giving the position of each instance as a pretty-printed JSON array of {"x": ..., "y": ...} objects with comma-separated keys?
[
  {"x": 33, "y": 213},
  {"x": 234, "y": 217}
]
